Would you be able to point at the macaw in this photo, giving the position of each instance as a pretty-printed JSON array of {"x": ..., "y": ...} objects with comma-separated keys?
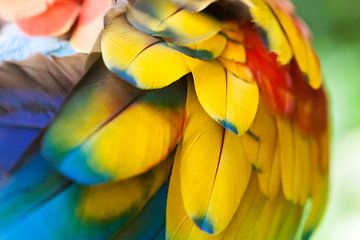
[{"x": 188, "y": 120}]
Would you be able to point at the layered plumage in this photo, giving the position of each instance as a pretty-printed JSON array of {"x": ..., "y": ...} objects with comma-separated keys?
[{"x": 228, "y": 93}]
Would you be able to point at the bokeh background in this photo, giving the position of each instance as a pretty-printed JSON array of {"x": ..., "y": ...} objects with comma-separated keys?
[{"x": 336, "y": 30}]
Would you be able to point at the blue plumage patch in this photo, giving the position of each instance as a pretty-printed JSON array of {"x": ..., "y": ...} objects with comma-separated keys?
[
  {"x": 204, "y": 224},
  {"x": 229, "y": 126},
  {"x": 124, "y": 75}
]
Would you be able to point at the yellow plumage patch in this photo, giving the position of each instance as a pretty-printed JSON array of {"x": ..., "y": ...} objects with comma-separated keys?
[
  {"x": 121, "y": 44},
  {"x": 107, "y": 201},
  {"x": 117, "y": 158},
  {"x": 238, "y": 69},
  {"x": 151, "y": 72},
  {"x": 130, "y": 54},
  {"x": 172, "y": 23},
  {"x": 114, "y": 140},
  {"x": 229, "y": 100},
  {"x": 213, "y": 200},
  {"x": 207, "y": 49},
  {"x": 234, "y": 51},
  {"x": 303, "y": 52}
]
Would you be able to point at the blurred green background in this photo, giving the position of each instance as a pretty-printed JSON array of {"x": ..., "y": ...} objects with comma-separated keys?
[{"x": 336, "y": 29}]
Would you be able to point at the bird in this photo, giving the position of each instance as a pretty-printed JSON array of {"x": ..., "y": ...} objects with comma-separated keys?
[{"x": 199, "y": 119}]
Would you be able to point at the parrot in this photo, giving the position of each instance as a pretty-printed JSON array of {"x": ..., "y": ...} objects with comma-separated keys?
[{"x": 188, "y": 119}]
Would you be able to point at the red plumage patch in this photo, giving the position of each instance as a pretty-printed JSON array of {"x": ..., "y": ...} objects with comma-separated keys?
[{"x": 273, "y": 79}]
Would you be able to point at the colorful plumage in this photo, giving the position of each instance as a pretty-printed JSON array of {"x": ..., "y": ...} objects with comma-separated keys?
[{"x": 209, "y": 112}]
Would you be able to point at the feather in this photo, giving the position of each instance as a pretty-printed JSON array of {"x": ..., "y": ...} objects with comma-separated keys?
[
  {"x": 234, "y": 52},
  {"x": 256, "y": 212},
  {"x": 206, "y": 50},
  {"x": 264, "y": 17},
  {"x": 130, "y": 55},
  {"x": 26, "y": 186},
  {"x": 248, "y": 213},
  {"x": 31, "y": 93},
  {"x": 178, "y": 224},
  {"x": 287, "y": 156},
  {"x": 213, "y": 200},
  {"x": 174, "y": 24},
  {"x": 241, "y": 71},
  {"x": 267, "y": 157},
  {"x": 273, "y": 79},
  {"x": 249, "y": 126},
  {"x": 302, "y": 171},
  {"x": 98, "y": 212},
  {"x": 303, "y": 52},
  {"x": 264, "y": 127},
  {"x": 117, "y": 131},
  {"x": 319, "y": 182},
  {"x": 55, "y": 21},
  {"x": 230, "y": 101}
]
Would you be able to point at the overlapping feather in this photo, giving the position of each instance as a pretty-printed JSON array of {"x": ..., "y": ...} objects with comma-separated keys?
[
  {"x": 32, "y": 190},
  {"x": 251, "y": 185}
]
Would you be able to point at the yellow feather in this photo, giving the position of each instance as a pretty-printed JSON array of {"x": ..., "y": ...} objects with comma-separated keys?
[
  {"x": 319, "y": 182},
  {"x": 151, "y": 72},
  {"x": 242, "y": 102},
  {"x": 210, "y": 86},
  {"x": 270, "y": 181},
  {"x": 227, "y": 99},
  {"x": 314, "y": 75},
  {"x": 107, "y": 201},
  {"x": 214, "y": 160},
  {"x": 296, "y": 40},
  {"x": 268, "y": 152},
  {"x": 121, "y": 44},
  {"x": 243, "y": 225},
  {"x": 234, "y": 51},
  {"x": 189, "y": 28},
  {"x": 287, "y": 156},
  {"x": 120, "y": 161},
  {"x": 290, "y": 223},
  {"x": 277, "y": 220},
  {"x": 264, "y": 126},
  {"x": 302, "y": 172},
  {"x": 117, "y": 131},
  {"x": 167, "y": 20},
  {"x": 178, "y": 225},
  {"x": 239, "y": 70},
  {"x": 251, "y": 146},
  {"x": 130, "y": 54},
  {"x": 208, "y": 49},
  {"x": 303, "y": 51},
  {"x": 264, "y": 17},
  {"x": 269, "y": 219}
]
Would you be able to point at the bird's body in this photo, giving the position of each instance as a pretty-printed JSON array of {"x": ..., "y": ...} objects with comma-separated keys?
[{"x": 209, "y": 112}]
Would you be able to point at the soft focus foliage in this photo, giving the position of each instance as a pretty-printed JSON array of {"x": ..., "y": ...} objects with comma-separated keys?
[{"x": 337, "y": 39}]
